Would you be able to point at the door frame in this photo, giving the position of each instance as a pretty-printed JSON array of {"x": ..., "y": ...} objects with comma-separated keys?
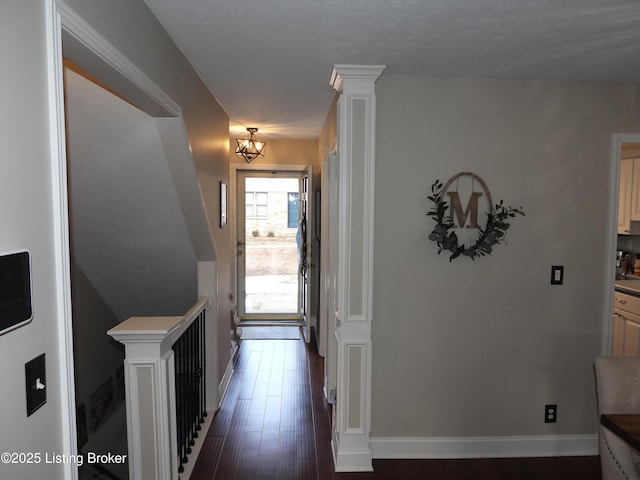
[
  {"x": 234, "y": 169},
  {"x": 327, "y": 345},
  {"x": 55, "y": 20},
  {"x": 241, "y": 260},
  {"x": 617, "y": 139}
]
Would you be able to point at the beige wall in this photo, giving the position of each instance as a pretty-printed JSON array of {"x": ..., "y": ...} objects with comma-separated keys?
[
  {"x": 327, "y": 138},
  {"x": 26, "y": 219},
  {"x": 478, "y": 348}
]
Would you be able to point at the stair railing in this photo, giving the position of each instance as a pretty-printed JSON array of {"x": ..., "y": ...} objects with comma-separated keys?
[{"x": 165, "y": 384}]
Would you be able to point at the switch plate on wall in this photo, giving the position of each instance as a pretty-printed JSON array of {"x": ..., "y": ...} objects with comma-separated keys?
[
  {"x": 557, "y": 274},
  {"x": 36, "y": 381}
]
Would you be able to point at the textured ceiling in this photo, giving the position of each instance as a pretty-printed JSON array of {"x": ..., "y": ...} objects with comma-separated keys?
[{"x": 268, "y": 61}]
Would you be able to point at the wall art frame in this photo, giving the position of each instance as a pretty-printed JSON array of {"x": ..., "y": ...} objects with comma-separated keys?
[{"x": 223, "y": 204}]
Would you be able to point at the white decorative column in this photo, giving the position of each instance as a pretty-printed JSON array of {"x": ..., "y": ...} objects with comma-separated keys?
[{"x": 356, "y": 158}]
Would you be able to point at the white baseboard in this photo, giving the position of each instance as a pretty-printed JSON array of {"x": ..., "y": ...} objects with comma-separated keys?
[
  {"x": 226, "y": 378},
  {"x": 484, "y": 447}
]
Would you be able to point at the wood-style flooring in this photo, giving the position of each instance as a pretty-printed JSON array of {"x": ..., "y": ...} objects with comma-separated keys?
[{"x": 275, "y": 425}]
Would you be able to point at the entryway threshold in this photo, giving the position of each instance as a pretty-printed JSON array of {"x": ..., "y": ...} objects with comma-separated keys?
[{"x": 268, "y": 322}]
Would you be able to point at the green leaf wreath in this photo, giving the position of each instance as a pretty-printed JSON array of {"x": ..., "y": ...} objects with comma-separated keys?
[{"x": 493, "y": 233}]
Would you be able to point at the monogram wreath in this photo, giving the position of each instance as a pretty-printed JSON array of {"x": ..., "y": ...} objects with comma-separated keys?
[{"x": 493, "y": 233}]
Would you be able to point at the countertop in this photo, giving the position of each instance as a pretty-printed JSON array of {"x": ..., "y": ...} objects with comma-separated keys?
[{"x": 629, "y": 285}]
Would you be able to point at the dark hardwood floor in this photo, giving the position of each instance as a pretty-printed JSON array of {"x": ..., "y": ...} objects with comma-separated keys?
[{"x": 274, "y": 424}]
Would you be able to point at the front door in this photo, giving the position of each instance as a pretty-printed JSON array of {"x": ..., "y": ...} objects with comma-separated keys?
[{"x": 271, "y": 239}]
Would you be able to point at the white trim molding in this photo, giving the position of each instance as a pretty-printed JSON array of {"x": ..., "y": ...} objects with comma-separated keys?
[
  {"x": 617, "y": 140},
  {"x": 356, "y": 130},
  {"x": 60, "y": 213},
  {"x": 223, "y": 387},
  {"x": 88, "y": 49},
  {"x": 484, "y": 447}
]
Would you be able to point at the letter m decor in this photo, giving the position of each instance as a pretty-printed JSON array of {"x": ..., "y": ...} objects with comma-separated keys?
[{"x": 472, "y": 187}]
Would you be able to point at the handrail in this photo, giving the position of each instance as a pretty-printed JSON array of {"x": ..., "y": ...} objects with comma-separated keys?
[{"x": 188, "y": 318}]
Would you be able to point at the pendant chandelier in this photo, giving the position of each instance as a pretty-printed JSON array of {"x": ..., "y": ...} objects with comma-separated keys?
[{"x": 250, "y": 148}]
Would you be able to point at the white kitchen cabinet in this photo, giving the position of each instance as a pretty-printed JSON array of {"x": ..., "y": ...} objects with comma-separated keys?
[
  {"x": 624, "y": 199},
  {"x": 631, "y": 346},
  {"x": 625, "y": 339},
  {"x": 626, "y": 334}
]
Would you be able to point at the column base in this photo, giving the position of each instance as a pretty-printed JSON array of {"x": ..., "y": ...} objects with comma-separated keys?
[{"x": 351, "y": 460}]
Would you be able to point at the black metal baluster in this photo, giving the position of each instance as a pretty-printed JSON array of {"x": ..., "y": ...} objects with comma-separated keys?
[
  {"x": 189, "y": 355},
  {"x": 178, "y": 355},
  {"x": 203, "y": 368},
  {"x": 184, "y": 347},
  {"x": 187, "y": 361},
  {"x": 192, "y": 370},
  {"x": 184, "y": 375},
  {"x": 196, "y": 377}
]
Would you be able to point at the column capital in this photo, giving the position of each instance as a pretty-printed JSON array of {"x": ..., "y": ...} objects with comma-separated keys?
[{"x": 355, "y": 77}]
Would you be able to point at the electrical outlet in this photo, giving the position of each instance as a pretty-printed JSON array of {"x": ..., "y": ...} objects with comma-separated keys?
[{"x": 550, "y": 413}]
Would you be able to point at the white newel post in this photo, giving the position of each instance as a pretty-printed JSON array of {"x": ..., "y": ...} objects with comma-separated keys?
[
  {"x": 356, "y": 158},
  {"x": 150, "y": 383}
]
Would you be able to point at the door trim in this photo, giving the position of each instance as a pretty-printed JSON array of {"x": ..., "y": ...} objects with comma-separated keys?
[
  {"x": 276, "y": 317},
  {"x": 617, "y": 139},
  {"x": 60, "y": 214}
]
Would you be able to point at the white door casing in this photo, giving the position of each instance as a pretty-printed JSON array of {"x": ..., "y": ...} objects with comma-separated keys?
[
  {"x": 617, "y": 140},
  {"x": 329, "y": 267}
]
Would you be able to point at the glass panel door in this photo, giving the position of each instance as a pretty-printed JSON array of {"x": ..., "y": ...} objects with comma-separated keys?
[{"x": 268, "y": 245}]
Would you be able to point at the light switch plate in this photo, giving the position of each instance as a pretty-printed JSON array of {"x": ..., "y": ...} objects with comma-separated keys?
[
  {"x": 557, "y": 274},
  {"x": 36, "y": 381}
]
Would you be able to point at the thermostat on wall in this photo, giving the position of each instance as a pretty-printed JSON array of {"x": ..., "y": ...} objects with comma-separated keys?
[{"x": 15, "y": 290}]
